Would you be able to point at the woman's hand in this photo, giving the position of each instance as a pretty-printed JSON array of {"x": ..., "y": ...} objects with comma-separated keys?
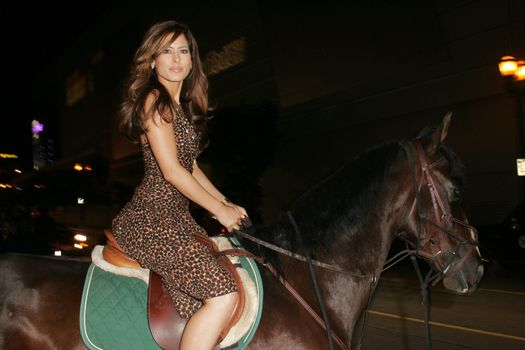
[
  {"x": 230, "y": 217},
  {"x": 245, "y": 219}
]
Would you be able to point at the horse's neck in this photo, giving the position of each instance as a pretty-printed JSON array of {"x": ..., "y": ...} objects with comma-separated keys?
[
  {"x": 360, "y": 246},
  {"x": 358, "y": 241}
]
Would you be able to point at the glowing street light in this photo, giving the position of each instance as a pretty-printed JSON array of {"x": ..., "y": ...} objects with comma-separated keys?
[
  {"x": 512, "y": 67},
  {"x": 513, "y": 71}
]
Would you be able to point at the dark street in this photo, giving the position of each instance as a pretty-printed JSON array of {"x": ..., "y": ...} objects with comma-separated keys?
[{"x": 491, "y": 318}]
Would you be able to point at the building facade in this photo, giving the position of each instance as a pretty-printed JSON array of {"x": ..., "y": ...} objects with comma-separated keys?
[{"x": 342, "y": 80}]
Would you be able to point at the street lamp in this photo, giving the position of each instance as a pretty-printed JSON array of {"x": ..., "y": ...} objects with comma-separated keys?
[{"x": 513, "y": 71}]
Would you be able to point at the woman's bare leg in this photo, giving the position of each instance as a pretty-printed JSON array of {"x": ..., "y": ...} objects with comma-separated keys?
[{"x": 204, "y": 327}]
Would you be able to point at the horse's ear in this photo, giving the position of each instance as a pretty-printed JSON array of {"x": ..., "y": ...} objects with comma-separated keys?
[{"x": 438, "y": 135}]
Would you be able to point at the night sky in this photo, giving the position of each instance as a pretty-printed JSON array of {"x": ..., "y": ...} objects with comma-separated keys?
[{"x": 34, "y": 35}]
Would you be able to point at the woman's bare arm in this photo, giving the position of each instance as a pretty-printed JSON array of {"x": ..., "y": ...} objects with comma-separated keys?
[{"x": 164, "y": 147}]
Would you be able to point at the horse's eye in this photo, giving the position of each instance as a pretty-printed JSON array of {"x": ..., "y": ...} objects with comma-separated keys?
[{"x": 456, "y": 195}]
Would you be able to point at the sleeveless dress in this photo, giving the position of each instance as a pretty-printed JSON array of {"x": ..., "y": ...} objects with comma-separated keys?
[{"x": 156, "y": 229}]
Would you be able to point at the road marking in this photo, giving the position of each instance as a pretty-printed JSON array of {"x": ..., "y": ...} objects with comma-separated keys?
[
  {"x": 446, "y": 325},
  {"x": 415, "y": 286},
  {"x": 501, "y": 291}
]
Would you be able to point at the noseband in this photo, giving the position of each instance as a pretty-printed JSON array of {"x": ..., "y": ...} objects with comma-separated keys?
[{"x": 442, "y": 216}]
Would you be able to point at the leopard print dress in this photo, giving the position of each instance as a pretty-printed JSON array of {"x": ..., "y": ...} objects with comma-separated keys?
[{"x": 157, "y": 229}]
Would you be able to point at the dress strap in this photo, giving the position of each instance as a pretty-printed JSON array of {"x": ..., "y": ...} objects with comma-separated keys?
[{"x": 146, "y": 142}]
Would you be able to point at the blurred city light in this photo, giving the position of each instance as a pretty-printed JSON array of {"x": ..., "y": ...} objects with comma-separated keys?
[
  {"x": 78, "y": 246},
  {"x": 8, "y": 155},
  {"x": 36, "y": 127},
  {"x": 18, "y": 171},
  {"x": 81, "y": 167},
  {"x": 80, "y": 200},
  {"x": 58, "y": 253},
  {"x": 79, "y": 237}
]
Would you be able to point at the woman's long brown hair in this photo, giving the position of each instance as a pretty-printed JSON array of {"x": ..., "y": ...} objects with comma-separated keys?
[{"x": 143, "y": 81}]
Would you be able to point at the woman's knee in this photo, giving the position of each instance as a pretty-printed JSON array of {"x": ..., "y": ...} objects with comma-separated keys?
[
  {"x": 226, "y": 301},
  {"x": 232, "y": 298}
]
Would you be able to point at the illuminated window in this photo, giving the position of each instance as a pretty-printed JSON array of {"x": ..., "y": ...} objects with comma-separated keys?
[
  {"x": 76, "y": 85},
  {"x": 231, "y": 54}
]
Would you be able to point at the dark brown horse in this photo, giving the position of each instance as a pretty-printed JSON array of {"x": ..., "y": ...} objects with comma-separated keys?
[{"x": 349, "y": 221}]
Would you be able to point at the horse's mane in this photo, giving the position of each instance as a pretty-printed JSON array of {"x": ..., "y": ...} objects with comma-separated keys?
[
  {"x": 345, "y": 198},
  {"x": 341, "y": 200}
]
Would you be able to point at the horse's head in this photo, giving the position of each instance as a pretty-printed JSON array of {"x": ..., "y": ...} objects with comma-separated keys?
[{"x": 437, "y": 227}]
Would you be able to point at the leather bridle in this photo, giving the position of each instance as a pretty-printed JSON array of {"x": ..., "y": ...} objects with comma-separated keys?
[{"x": 442, "y": 218}]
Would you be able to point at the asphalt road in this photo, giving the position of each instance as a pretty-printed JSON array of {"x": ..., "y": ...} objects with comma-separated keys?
[{"x": 491, "y": 318}]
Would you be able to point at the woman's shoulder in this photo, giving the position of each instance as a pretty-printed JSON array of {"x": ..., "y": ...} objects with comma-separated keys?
[
  {"x": 150, "y": 106},
  {"x": 151, "y": 98}
]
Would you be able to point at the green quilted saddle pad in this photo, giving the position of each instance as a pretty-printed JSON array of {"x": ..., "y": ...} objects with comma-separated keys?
[{"x": 113, "y": 312}]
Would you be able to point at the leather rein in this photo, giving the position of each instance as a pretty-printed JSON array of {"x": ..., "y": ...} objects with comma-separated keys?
[{"x": 441, "y": 216}]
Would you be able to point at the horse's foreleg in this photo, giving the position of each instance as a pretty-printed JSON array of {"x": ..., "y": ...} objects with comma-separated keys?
[{"x": 347, "y": 299}]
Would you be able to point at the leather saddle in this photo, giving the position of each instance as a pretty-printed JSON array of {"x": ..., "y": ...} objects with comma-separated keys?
[{"x": 165, "y": 323}]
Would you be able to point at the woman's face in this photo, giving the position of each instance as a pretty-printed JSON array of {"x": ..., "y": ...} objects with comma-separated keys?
[{"x": 174, "y": 62}]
